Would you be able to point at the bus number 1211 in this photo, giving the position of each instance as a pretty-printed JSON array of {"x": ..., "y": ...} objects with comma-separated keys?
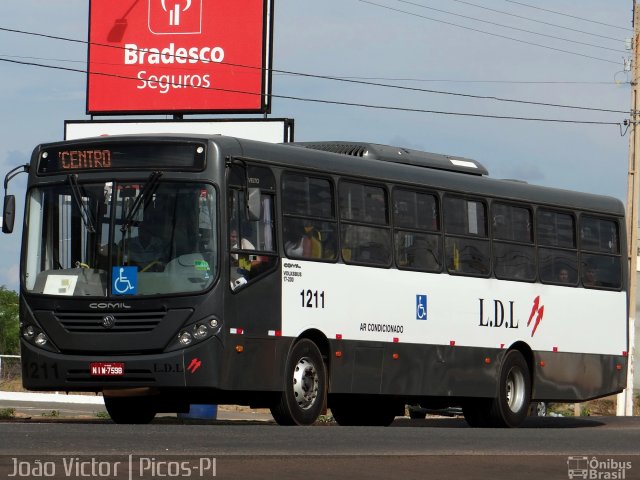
[{"x": 312, "y": 298}]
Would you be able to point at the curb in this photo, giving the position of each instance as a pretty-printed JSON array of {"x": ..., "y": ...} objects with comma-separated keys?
[{"x": 51, "y": 398}]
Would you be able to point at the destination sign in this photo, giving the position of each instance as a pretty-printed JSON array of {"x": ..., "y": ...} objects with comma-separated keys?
[
  {"x": 122, "y": 156},
  {"x": 84, "y": 159}
]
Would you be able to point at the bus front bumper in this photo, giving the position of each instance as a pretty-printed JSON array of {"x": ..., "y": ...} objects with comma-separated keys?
[{"x": 196, "y": 366}]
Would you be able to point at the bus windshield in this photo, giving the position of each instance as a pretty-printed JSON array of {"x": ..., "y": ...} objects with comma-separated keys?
[{"x": 121, "y": 239}]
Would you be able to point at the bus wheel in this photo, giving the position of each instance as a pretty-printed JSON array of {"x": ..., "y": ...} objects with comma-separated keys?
[
  {"x": 130, "y": 410},
  {"x": 510, "y": 407},
  {"x": 305, "y": 386}
]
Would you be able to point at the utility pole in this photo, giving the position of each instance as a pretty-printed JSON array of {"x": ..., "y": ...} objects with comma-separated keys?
[{"x": 625, "y": 399}]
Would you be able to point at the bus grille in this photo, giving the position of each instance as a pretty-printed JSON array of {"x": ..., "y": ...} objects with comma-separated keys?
[{"x": 125, "y": 322}]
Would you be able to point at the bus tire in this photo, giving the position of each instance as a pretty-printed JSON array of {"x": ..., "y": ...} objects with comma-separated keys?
[
  {"x": 130, "y": 410},
  {"x": 511, "y": 406},
  {"x": 305, "y": 386}
]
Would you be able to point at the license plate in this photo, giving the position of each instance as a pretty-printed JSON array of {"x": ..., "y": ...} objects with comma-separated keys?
[{"x": 106, "y": 369}]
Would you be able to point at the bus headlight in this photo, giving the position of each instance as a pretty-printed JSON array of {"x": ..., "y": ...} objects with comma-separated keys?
[
  {"x": 213, "y": 323},
  {"x": 185, "y": 338},
  {"x": 41, "y": 339},
  {"x": 29, "y": 332},
  {"x": 200, "y": 331}
]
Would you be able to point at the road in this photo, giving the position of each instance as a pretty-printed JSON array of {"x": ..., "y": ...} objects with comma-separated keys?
[{"x": 431, "y": 448}]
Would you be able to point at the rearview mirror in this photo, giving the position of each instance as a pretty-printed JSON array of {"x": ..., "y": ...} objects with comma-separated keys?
[
  {"x": 8, "y": 213},
  {"x": 254, "y": 204}
]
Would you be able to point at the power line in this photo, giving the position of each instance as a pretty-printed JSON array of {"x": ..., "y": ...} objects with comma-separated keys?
[
  {"x": 537, "y": 21},
  {"x": 490, "y": 33},
  {"x": 511, "y": 28},
  {"x": 452, "y": 80},
  {"x": 346, "y": 80},
  {"x": 387, "y": 79},
  {"x": 329, "y": 102},
  {"x": 571, "y": 16}
]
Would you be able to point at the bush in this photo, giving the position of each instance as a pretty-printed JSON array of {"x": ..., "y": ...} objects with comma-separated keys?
[{"x": 9, "y": 323}]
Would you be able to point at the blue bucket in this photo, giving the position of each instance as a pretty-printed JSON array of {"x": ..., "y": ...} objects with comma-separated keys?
[{"x": 201, "y": 412}]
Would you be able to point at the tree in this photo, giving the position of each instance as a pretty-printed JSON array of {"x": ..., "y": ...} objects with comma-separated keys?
[{"x": 9, "y": 323}]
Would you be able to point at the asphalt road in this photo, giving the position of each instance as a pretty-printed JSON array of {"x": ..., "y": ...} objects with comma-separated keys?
[{"x": 431, "y": 448}]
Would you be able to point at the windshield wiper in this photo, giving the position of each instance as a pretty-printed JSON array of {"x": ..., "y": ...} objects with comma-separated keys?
[
  {"x": 145, "y": 194},
  {"x": 85, "y": 214}
]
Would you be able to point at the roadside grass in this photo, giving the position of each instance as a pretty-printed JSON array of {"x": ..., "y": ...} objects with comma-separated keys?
[
  {"x": 7, "y": 413},
  {"x": 51, "y": 414},
  {"x": 601, "y": 407},
  {"x": 12, "y": 385}
]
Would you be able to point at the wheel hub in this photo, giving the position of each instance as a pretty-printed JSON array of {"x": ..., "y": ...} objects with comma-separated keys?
[
  {"x": 305, "y": 383},
  {"x": 515, "y": 390}
]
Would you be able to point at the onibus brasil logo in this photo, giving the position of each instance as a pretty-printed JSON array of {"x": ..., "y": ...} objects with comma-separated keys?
[{"x": 595, "y": 468}]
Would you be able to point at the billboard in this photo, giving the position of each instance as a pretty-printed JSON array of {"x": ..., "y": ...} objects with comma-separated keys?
[
  {"x": 273, "y": 130},
  {"x": 179, "y": 56}
]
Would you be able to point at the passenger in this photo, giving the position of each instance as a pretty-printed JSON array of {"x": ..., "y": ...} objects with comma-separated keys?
[
  {"x": 590, "y": 277},
  {"x": 308, "y": 245},
  {"x": 244, "y": 243},
  {"x": 563, "y": 275},
  {"x": 243, "y": 265}
]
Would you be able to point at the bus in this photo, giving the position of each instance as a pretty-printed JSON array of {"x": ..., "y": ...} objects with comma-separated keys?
[{"x": 164, "y": 271}]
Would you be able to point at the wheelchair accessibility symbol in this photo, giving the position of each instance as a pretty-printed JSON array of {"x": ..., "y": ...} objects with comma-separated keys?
[
  {"x": 421, "y": 307},
  {"x": 124, "y": 280}
]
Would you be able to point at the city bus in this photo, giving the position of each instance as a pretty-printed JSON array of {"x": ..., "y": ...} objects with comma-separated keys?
[{"x": 165, "y": 271}]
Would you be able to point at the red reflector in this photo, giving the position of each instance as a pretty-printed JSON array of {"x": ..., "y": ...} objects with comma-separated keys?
[
  {"x": 487, "y": 360},
  {"x": 396, "y": 356},
  {"x": 624, "y": 354},
  {"x": 618, "y": 367},
  {"x": 338, "y": 336},
  {"x": 542, "y": 364},
  {"x": 396, "y": 339},
  {"x": 338, "y": 354},
  {"x": 555, "y": 349},
  {"x": 452, "y": 343},
  {"x": 502, "y": 345}
]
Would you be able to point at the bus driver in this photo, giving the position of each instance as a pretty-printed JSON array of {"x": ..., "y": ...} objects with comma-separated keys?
[{"x": 146, "y": 248}]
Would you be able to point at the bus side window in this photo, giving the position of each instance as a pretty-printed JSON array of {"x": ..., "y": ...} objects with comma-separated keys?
[
  {"x": 418, "y": 244},
  {"x": 466, "y": 242},
  {"x": 252, "y": 249},
  {"x": 557, "y": 252},
  {"x": 364, "y": 231},
  {"x": 600, "y": 261},
  {"x": 309, "y": 224},
  {"x": 513, "y": 252}
]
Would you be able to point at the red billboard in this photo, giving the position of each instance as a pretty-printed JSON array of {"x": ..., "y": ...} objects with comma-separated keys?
[{"x": 179, "y": 56}]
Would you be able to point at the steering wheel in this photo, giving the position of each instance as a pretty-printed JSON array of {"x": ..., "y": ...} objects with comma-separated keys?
[{"x": 150, "y": 265}]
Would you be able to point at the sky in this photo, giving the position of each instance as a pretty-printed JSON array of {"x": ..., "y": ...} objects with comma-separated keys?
[{"x": 470, "y": 51}]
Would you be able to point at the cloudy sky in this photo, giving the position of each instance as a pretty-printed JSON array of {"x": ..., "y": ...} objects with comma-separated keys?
[{"x": 503, "y": 49}]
